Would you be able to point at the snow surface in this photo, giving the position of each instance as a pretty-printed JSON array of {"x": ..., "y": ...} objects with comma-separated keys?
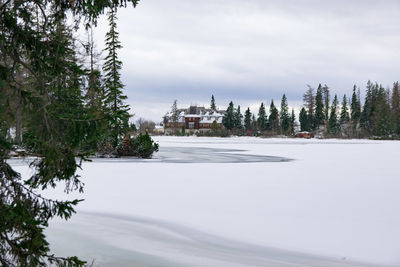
[{"x": 239, "y": 202}]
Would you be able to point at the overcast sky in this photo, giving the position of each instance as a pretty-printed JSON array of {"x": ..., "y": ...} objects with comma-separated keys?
[{"x": 252, "y": 51}]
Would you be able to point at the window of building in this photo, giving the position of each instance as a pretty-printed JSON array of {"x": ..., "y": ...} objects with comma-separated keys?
[{"x": 191, "y": 125}]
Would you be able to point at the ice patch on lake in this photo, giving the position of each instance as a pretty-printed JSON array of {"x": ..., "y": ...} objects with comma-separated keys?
[{"x": 198, "y": 155}]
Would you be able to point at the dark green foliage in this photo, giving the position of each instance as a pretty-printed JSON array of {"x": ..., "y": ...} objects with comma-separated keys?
[
  {"x": 326, "y": 97},
  {"x": 382, "y": 114},
  {"x": 213, "y": 106},
  {"x": 262, "y": 119},
  {"x": 319, "y": 108},
  {"x": 229, "y": 118},
  {"x": 254, "y": 122},
  {"x": 304, "y": 120},
  {"x": 355, "y": 108},
  {"x": 117, "y": 111},
  {"x": 273, "y": 118},
  {"x": 366, "y": 120},
  {"x": 174, "y": 114},
  {"x": 396, "y": 108},
  {"x": 284, "y": 115},
  {"x": 247, "y": 120},
  {"x": 238, "y": 118},
  {"x": 214, "y": 127},
  {"x": 309, "y": 103},
  {"x": 333, "y": 125},
  {"x": 344, "y": 113},
  {"x": 59, "y": 126},
  {"x": 292, "y": 123},
  {"x": 141, "y": 146}
]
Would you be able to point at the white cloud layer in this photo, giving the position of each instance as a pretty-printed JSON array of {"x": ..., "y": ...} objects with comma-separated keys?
[{"x": 252, "y": 51}]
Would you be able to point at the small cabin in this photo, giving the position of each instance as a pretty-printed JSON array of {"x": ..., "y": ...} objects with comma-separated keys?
[{"x": 303, "y": 134}]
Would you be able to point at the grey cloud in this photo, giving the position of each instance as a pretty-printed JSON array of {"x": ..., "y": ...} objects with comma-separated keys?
[{"x": 254, "y": 50}]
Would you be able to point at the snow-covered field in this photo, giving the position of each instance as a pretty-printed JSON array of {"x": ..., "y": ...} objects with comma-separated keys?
[{"x": 239, "y": 202}]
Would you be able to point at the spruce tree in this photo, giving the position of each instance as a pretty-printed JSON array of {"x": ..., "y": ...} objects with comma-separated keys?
[
  {"x": 355, "y": 108},
  {"x": 396, "y": 108},
  {"x": 383, "y": 124},
  {"x": 262, "y": 120},
  {"x": 238, "y": 118},
  {"x": 304, "y": 120},
  {"x": 212, "y": 105},
  {"x": 229, "y": 119},
  {"x": 254, "y": 124},
  {"x": 247, "y": 120},
  {"x": 367, "y": 120},
  {"x": 284, "y": 115},
  {"x": 118, "y": 111},
  {"x": 174, "y": 115},
  {"x": 309, "y": 103},
  {"x": 58, "y": 124},
  {"x": 333, "y": 125},
  {"x": 273, "y": 117},
  {"x": 326, "y": 93},
  {"x": 319, "y": 108},
  {"x": 292, "y": 123},
  {"x": 344, "y": 114}
]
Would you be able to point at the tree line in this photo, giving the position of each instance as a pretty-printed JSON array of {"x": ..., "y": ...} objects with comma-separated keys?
[
  {"x": 377, "y": 117},
  {"x": 276, "y": 122}
]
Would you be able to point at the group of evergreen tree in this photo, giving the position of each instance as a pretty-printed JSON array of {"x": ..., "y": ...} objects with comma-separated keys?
[
  {"x": 379, "y": 116},
  {"x": 276, "y": 122},
  {"x": 61, "y": 110}
]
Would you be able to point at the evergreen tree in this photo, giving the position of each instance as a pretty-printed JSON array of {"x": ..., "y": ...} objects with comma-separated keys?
[
  {"x": 254, "y": 124},
  {"x": 247, "y": 120},
  {"x": 367, "y": 122},
  {"x": 319, "y": 108},
  {"x": 262, "y": 120},
  {"x": 174, "y": 114},
  {"x": 292, "y": 123},
  {"x": 333, "y": 125},
  {"x": 344, "y": 114},
  {"x": 355, "y": 108},
  {"x": 284, "y": 115},
  {"x": 213, "y": 106},
  {"x": 273, "y": 117},
  {"x": 229, "y": 118},
  {"x": 118, "y": 111},
  {"x": 382, "y": 114},
  {"x": 238, "y": 118},
  {"x": 309, "y": 103},
  {"x": 304, "y": 120},
  {"x": 326, "y": 94},
  {"x": 58, "y": 124},
  {"x": 396, "y": 108}
]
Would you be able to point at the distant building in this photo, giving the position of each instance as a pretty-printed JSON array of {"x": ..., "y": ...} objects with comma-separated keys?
[
  {"x": 193, "y": 119},
  {"x": 159, "y": 129}
]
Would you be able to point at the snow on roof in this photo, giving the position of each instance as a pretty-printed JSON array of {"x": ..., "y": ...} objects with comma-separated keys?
[
  {"x": 205, "y": 115},
  {"x": 211, "y": 119},
  {"x": 192, "y": 116}
]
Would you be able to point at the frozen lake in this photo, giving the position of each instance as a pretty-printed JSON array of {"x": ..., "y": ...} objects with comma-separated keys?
[{"x": 239, "y": 202}]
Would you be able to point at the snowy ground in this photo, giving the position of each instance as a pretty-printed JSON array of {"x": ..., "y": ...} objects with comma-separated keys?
[{"x": 239, "y": 202}]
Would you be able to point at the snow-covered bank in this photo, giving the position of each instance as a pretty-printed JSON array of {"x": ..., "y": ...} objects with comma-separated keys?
[{"x": 337, "y": 198}]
